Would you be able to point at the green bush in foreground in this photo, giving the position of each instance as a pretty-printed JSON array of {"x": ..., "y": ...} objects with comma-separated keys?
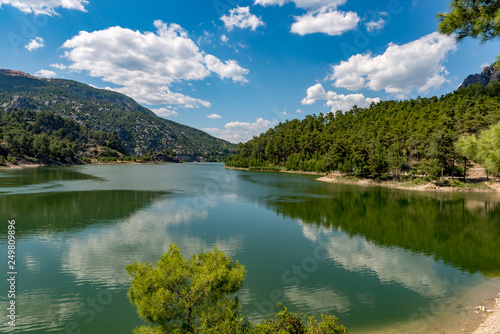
[
  {"x": 285, "y": 322},
  {"x": 199, "y": 296}
]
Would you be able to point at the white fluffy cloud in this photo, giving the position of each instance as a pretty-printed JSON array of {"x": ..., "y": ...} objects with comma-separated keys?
[
  {"x": 375, "y": 25},
  {"x": 164, "y": 112},
  {"x": 400, "y": 69},
  {"x": 337, "y": 101},
  {"x": 321, "y": 16},
  {"x": 305, "y": 4},
  {"x": 270, "y": 2},
  {"x": 236, "y": 132},
  {"x": 328, "y": 21},
  {"x": 228, "y": 70},
  {"x": 145, "y": 65},
  {"x": 46, "y": 74},
  {"x": 375, "y": 20},
  {"x": 35, "y": 44},
  {"x": 214, "y": 116},
  {"x": 240, "y": 17},
  {"x": 46, "y": 7},
  {"x": 59, "y": 66}
]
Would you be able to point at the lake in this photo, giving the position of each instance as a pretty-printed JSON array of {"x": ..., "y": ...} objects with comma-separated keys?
[{"x": 379, "y": 259}]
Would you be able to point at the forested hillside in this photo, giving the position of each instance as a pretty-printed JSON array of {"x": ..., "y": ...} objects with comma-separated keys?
[
  {"x": 103, "y": 110},
  {"x": 47, "y": 138},
  {"x": 388, "y": 138}
]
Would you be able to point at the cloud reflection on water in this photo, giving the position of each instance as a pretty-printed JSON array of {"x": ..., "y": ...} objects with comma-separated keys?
[
  {"x": 414, "y": 271},
  {"x": 101, "y": 255}
]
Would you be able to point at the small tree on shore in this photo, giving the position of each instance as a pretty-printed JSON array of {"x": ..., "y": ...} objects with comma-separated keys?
[
  {"x": 466, "y": 147},
  {"x": 483, "y": 150}
]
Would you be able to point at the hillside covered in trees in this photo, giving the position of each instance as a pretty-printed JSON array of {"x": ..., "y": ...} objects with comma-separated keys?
[
  {"x": 47, "y": 138},
  {"x": 388, "y": 138},
  {"x": 102, "y": 110}
]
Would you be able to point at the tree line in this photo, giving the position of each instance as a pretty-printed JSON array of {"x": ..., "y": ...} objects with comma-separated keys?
[{"x": 390, "y": 138}]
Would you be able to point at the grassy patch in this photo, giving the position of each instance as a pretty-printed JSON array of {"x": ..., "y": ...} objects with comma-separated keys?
[
  {"x": 267, "y": 168},
  {"x": 464, "y": 185},
  {"x": 419, "y": 182},
  {"x": 350, "y": 179}
]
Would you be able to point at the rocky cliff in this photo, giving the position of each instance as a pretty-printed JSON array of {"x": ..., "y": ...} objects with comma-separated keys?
[{"x": 488, "y": 75}]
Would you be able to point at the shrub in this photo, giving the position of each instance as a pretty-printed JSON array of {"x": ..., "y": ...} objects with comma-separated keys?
[{"x": 11, "y": 159}]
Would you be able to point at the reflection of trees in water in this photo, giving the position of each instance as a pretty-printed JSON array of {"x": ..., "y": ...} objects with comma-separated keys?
[
  {"x": 25, "y": 177},
  {"x": 460, "y": 232},
  {"x": 68, "y": 210}
]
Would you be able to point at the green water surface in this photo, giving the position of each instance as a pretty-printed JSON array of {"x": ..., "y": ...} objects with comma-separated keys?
[{"x": 371, "y": 256}]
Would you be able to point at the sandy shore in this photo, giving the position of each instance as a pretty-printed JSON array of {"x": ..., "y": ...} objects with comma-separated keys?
[
  {"x": 20, "y": 166},
  {"x": 477, "y": 311},
  {"x": 491, "y": 324},
  {"x": 275, "y": 170},
  {"x": 491, "y": 186}
]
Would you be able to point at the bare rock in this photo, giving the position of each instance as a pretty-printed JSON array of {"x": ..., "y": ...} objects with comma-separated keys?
[{"x": 487, "y": 76}]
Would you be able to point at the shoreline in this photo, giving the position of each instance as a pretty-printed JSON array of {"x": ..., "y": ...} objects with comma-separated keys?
[
  {"x": 491, "y": 186},
  {"x": 475, "y": 312},
  {"x": 275, "y": 170},
  {"x": 22, "y": 166},
  {"x": 484, "y": 186},
  {"x": 491, "y": 323}
]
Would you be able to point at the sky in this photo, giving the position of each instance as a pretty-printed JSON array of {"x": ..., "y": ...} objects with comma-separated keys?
[{"x": 235, "y": 68}]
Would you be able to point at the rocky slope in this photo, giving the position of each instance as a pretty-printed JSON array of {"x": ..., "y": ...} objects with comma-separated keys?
[{"x": 488, "y": 75}]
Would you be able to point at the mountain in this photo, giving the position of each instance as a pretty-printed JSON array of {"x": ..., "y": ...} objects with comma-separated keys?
[
  {"x": 488, "y": 75},
  {"x": 108, "y": 111}
]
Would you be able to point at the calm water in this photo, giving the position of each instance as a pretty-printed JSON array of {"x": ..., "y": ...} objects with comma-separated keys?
[{"x": 372, "y": 256}]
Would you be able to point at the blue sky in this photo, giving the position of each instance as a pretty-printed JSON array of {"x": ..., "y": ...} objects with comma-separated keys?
[{"x": 234, "y": 68}]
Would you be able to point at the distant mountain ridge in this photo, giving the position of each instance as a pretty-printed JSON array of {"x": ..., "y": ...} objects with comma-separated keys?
[
  {"x": 18, "y": 74},
  {"x": 104, "y": 110},
  {"x": 488, "y": 75}
]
